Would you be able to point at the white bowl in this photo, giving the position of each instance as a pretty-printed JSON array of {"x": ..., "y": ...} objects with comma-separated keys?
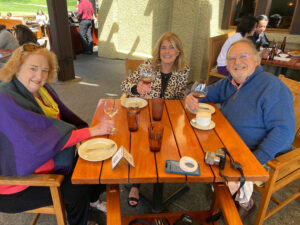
[{"x": 282, "y": 55}]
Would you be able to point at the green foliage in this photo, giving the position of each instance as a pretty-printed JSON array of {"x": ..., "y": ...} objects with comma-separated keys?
[{"x": 28, "y": 7}]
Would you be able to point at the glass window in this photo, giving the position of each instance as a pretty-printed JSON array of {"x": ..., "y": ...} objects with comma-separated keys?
[
  {"x": 281, "y": 13},
  {"x": 242, "y": 8}
]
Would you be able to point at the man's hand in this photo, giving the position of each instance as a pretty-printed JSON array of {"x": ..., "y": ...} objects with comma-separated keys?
[
  {"x": 102, "y": 128},
  {"x": 143, "y": 88},
  {"x": 191, "y": 101}
]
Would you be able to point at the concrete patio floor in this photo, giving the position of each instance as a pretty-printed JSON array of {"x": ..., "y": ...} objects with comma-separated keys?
[{"x": 100, "y": 76}]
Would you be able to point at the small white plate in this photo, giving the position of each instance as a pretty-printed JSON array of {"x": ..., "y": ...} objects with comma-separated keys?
[
  {"x": 283, "y": 55},
  {"x": 97, "y": 149},
  {"x": 203, "y": 107},
  {"x": 209, "y": 127},
  {"x": 134, "y": 102}
]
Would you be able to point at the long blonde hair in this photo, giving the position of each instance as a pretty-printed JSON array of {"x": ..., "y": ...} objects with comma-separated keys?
[
  {"x": 12, "y": 66},
  {"x": 179, "y": 63}
]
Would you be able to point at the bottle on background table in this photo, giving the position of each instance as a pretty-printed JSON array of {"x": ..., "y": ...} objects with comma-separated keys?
[
  {"x": 273, "y": 51},
  {"x": 283, "y": 44}
]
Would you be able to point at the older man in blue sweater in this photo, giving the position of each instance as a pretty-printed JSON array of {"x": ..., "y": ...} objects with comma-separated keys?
[{"x": 256, "y": 103}]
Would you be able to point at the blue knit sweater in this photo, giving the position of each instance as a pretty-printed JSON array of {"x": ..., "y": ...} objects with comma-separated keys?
[{"x": 261, "y": 112}]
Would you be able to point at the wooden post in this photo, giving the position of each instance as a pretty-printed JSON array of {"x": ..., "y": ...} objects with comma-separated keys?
[{"x": 61, "y": 38}]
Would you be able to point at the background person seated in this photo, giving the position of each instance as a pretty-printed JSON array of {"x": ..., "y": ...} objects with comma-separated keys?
[
  {"x": 259, "y": 38},
  {"x": 7, "y": 39},
  {"x": 259, "y": 107},
  {"x": 24, "y": 34},
  {"x": 10, "y": 16},
  {"x": 275, "y": 21},
  {"x": 245, "y": 28},
  {"x": 38, "y": 134}
]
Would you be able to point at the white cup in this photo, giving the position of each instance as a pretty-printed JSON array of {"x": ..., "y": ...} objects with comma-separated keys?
[{"x": 203, "y": 119}]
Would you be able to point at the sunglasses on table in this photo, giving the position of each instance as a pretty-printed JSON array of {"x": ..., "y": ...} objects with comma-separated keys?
[{"x": 29, "y": 47}]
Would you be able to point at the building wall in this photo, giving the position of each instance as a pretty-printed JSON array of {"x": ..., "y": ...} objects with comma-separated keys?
[{"x": 129, "y": 29}]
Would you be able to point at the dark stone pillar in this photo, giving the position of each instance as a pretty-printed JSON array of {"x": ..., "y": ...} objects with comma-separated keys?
[{"x": 61, "y": 38}]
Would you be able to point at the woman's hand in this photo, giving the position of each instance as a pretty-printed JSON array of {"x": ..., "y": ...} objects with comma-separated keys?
[
  {"x": 143, "y": 88},
  {"x": 191, "y": 101},
  {"x": 102, "y": 128}
]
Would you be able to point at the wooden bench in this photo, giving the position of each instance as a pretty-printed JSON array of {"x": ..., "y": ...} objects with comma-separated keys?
[
  {"x": 222, "y": 200},
  {"x": 10, "y": 23}
]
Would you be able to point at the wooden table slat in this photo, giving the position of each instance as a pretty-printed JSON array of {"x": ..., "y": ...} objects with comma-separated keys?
[
  {"x": 169, "y": 151},
  {"x": 209, "y": 140},
  {"x": 144, "y": 159},
  {"x": 122, "y": 138},
  {"x": 187, "y": 141}
]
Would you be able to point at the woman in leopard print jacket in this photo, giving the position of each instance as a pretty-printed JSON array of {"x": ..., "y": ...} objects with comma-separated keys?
[
  {"x": 169, "y": 69},
  {"x": 171, "y": 76}
]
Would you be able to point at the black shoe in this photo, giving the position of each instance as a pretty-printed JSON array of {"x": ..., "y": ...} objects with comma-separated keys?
[{"x": 132, "y": 199}]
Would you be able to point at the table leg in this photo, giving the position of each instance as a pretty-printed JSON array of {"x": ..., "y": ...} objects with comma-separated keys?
[
  {"x": 222, "y": 199},
  {"x": 157, "y": 204},
  {"x": 280, "y": 70},
  {"x": 175, "y": 195},
  {"x": 157, "y": 197}
]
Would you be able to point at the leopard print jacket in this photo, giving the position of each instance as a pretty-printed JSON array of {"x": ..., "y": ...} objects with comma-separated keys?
[{"x": 174, "y": 90}]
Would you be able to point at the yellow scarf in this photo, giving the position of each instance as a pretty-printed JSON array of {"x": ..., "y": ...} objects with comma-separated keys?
[{"x": 48, "y": 105}]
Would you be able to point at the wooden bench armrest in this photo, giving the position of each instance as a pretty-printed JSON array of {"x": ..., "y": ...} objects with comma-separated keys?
[
  {"x": 42, "y": 180},
  {"x": 215, "y": 74},
  {"x": 226, "y": 204},
  {"x": 113, "y": 214},
  {"x": 285, "y": 159}
]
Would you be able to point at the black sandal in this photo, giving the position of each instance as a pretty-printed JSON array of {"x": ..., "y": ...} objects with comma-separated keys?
[{"x": 132, "y": 199}]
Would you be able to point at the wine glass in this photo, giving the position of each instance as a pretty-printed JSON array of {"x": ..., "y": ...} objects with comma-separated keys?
[
  {"x": 111, "y": 109},
  {"x": 199, "y": 90},
  {"x": 146, "y": 75}
]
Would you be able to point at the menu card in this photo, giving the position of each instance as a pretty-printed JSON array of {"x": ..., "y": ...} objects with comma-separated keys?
[{"x": 120, "y": 154}]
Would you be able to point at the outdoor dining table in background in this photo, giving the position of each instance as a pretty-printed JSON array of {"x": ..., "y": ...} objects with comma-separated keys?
[
  {"x": 179, "y": 139},
  {"x": 282, "y": 66},
  {"x": 4, "y": 53}
]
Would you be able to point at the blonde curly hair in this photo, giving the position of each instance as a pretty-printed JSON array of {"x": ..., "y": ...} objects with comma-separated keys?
[
  {"x": 12, "y": 66},
  {"x": 179, "y": 63}
]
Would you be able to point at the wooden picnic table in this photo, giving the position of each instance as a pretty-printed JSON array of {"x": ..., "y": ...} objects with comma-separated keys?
[
  {"x": 4, "y": 53},
  {"x": 179, "y": 139}
]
